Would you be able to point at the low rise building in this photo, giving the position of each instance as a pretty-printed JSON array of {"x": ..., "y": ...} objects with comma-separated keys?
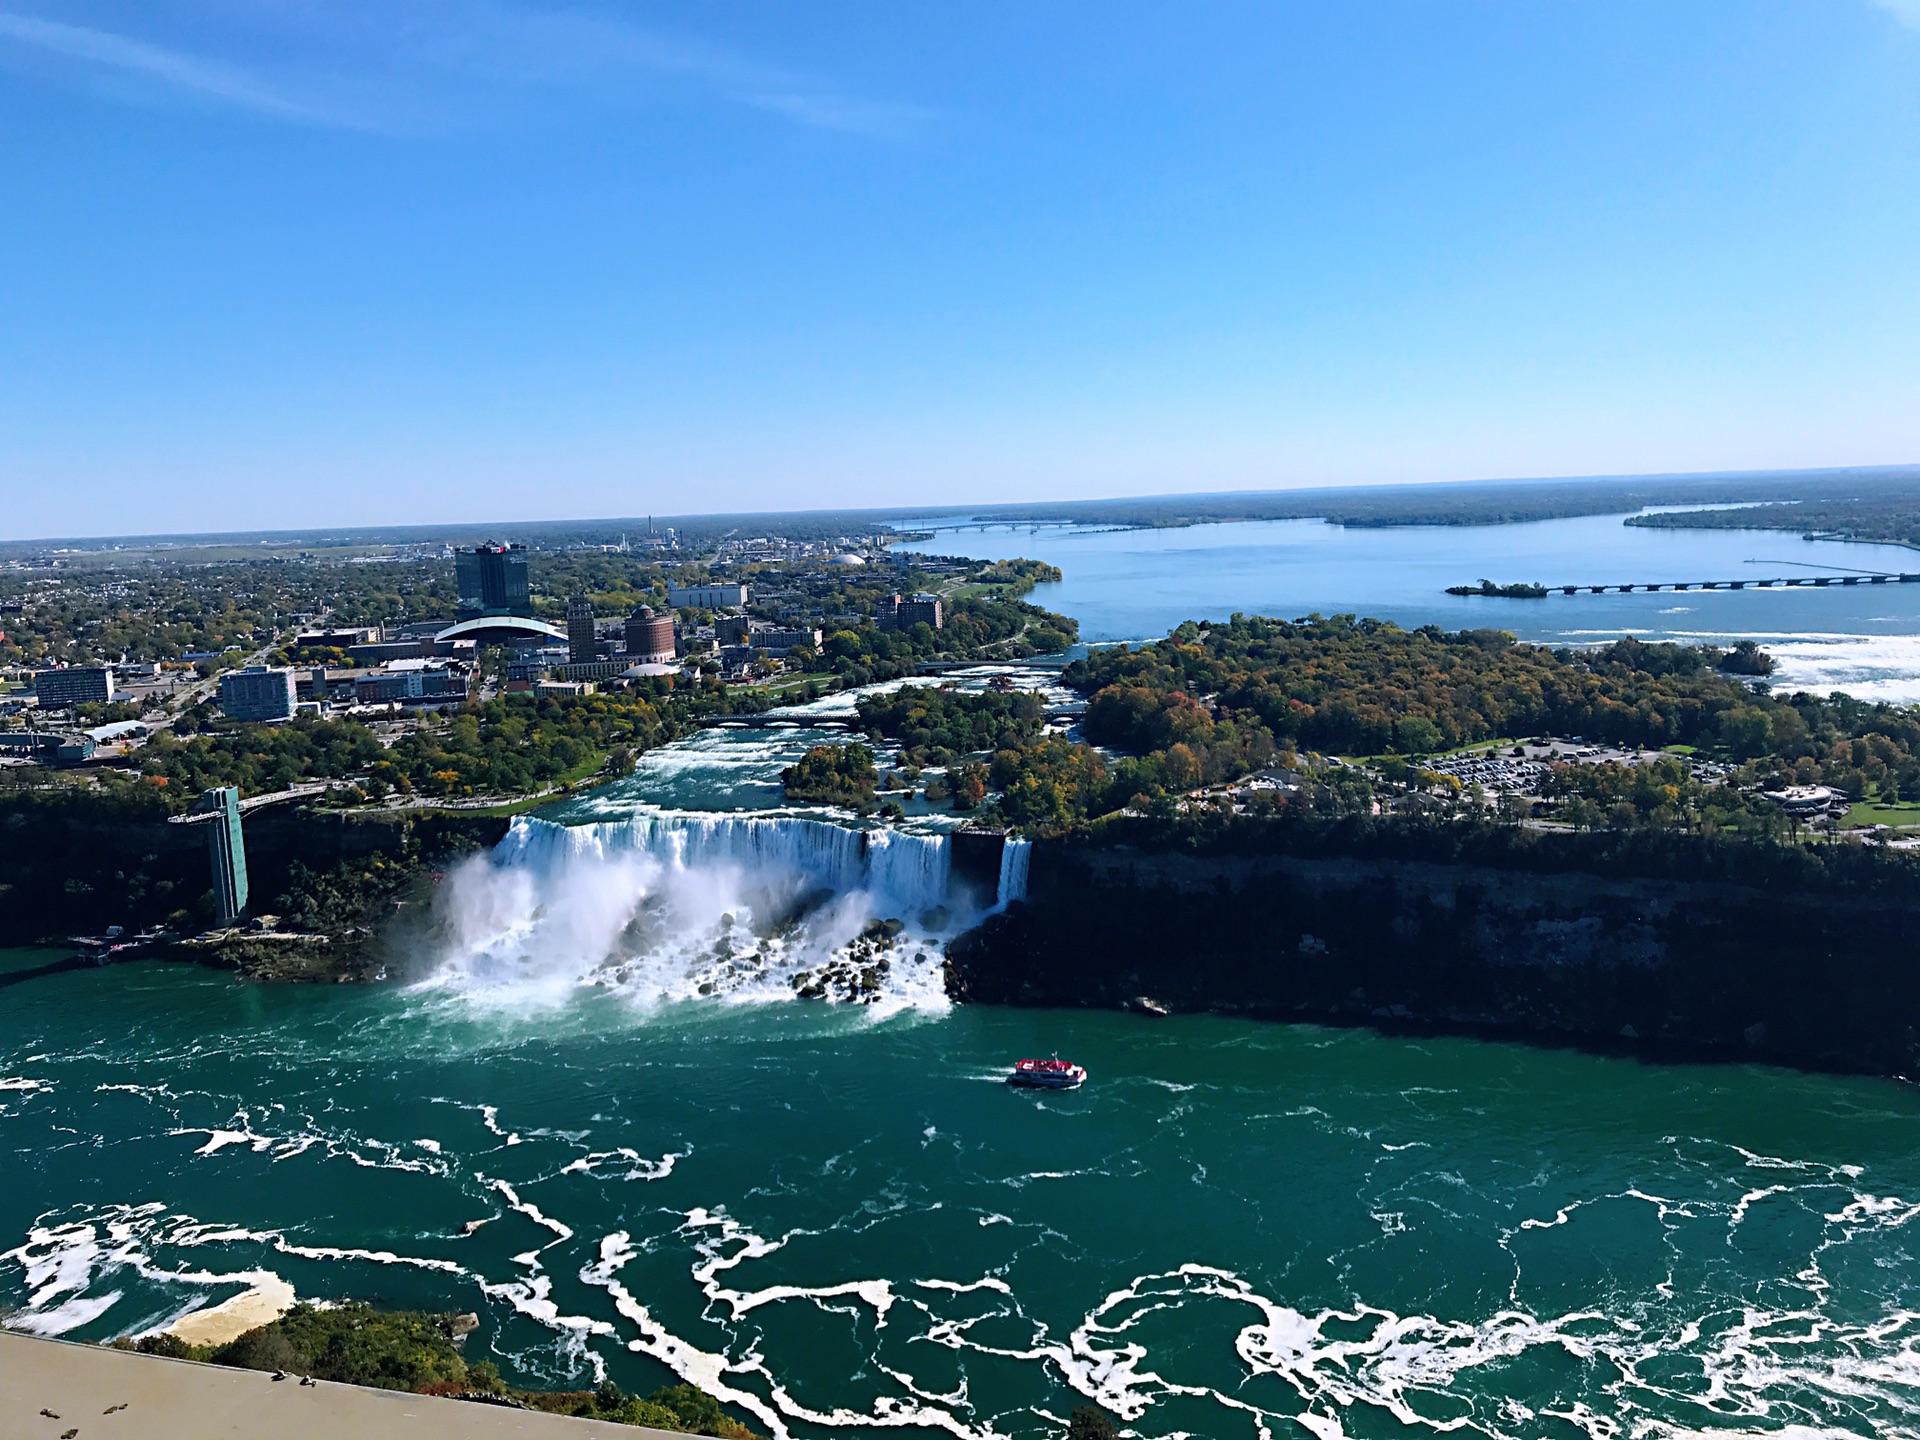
[
  {"x": 706, "y": 597},
  {"x": 120, "y": 732},
  {"x": 1803, "y": 801},
  {"x": 589, "y": 669},
  {"x": 379, "y": 652},
  {"x": 410, "y": 686},
  {"x": 343, "y": 637},
  {"x": 759, "y": 635},
  {"x": 46, "y": 747},
  {"x": 259, "y": 694}
]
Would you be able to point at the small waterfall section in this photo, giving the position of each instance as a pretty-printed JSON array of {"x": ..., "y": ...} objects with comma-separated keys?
[
  {"x": 1015, "y": 856},
  {"x": 665, "y": 906}
]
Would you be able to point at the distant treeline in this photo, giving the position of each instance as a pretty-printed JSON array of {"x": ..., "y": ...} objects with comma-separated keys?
[
  {"x": 1477, "y": 502},
  {"x": 1887, "y": 512}
]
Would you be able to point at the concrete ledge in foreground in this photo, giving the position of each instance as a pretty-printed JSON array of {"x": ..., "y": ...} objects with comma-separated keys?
[{"x": 156, "y": 1399}]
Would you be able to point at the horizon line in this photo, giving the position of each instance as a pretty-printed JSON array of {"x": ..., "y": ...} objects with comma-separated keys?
[{"x": 427, "y": 528}]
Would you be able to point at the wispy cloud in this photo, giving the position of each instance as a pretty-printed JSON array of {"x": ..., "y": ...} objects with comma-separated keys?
[
  {"x": 116, "y": 52},
  {"x": 437, "y": 64},
  {"x": 1907, "y": 12}
]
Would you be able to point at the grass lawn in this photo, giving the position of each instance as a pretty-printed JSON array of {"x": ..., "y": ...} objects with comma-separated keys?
[{"x": 1868, "y": 812}]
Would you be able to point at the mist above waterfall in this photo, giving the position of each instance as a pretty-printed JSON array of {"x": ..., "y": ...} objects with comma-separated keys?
[{"x": 663, "y": 907}]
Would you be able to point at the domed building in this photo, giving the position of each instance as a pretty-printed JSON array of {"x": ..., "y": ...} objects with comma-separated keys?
[{"x": 847, "y": 560}]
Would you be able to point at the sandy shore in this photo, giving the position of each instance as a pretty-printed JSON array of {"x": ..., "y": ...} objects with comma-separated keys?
[
  {"x": 94, "y": 1393},
  {"x": 269, "y": 1299}
]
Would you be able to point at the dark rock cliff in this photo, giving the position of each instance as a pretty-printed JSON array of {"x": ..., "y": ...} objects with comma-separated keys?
[
  {"x": 1809, "y": 978},
  {"x": 67, "y": 869}
]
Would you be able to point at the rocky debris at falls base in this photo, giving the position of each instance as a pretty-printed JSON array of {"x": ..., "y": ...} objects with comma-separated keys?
[{"x": 858, "y": 975}]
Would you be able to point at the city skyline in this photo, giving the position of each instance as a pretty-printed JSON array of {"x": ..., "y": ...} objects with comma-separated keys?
[{"x": 281, "y": 269}]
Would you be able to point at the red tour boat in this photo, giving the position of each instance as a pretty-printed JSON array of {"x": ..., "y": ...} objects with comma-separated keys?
[{"x": 1054, "y": 1074}]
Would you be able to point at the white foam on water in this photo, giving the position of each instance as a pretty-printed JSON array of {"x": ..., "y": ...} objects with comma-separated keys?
[
  {"x": 1786, "y": 1364},
  {"x": 725, "y": 1244},
  {"x": 634, "y": 1165},
  {"x": 65, "y": 1264},
  {"x": 1868, "y": 667}
]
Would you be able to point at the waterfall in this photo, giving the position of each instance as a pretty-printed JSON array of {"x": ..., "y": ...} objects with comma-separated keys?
[
  {"x": 1015, "y": 856},
  {"x": 673, "y": 906},
  {"x": 910, "y": 871}
]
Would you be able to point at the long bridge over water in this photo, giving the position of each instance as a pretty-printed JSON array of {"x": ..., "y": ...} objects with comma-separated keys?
[{"x": 1788, "y": 582}]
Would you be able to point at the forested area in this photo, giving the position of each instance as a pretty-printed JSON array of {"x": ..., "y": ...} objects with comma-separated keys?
[
  {"x": 506, "y": 746},
  {"x": 1367, "y": 687},
  {"x": 980, "y": 628},
  {"x": 832, "y": 775},
  {"x": 934, "y": 726},
  {"x": 1890, "y": 513},
  {"x": 1214, "y": 703}
]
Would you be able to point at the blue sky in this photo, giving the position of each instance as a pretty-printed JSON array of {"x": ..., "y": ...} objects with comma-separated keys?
[{"x": 303, "y": 263}]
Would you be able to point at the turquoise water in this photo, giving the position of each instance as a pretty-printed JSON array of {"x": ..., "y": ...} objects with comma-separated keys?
[
  {"x": 847, "y": 1222},
  {"x": 602, "y": 1121},
  {"x": 1138, "y": 584}
]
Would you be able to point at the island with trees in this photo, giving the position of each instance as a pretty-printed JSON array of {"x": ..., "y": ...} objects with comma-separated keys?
[{"x": 1520, "y": 590}]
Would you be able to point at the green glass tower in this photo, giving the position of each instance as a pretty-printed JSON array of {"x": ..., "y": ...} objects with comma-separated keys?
[{"x": 227, "y": 848}]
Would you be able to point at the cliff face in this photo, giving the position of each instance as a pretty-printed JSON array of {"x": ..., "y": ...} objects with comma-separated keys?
[
  {"x": 65, "y": 871},
  {"x": 1805, "y": 979}
]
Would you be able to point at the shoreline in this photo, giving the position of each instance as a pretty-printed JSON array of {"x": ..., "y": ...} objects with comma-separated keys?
[
  {"x": 50, "y": 1388},
  {"x": 269, "y": 1299}
]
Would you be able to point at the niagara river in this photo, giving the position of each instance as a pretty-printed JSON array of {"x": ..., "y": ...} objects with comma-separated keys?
[{"x": 600, "y": 1116}]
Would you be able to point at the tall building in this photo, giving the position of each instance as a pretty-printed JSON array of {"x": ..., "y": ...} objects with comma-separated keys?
[
  {"x": 227, "y": 849},
  {"x": 493, "y": 580},
  {"x": 259, "y": 693},
  {"x": 581, "y": 646},
  {"x": 76, "y": 685},
  {"x": 649, "y": 638}
]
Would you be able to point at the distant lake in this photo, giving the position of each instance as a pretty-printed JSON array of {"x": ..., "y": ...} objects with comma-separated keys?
[{"x": 1139, "y": 584}]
